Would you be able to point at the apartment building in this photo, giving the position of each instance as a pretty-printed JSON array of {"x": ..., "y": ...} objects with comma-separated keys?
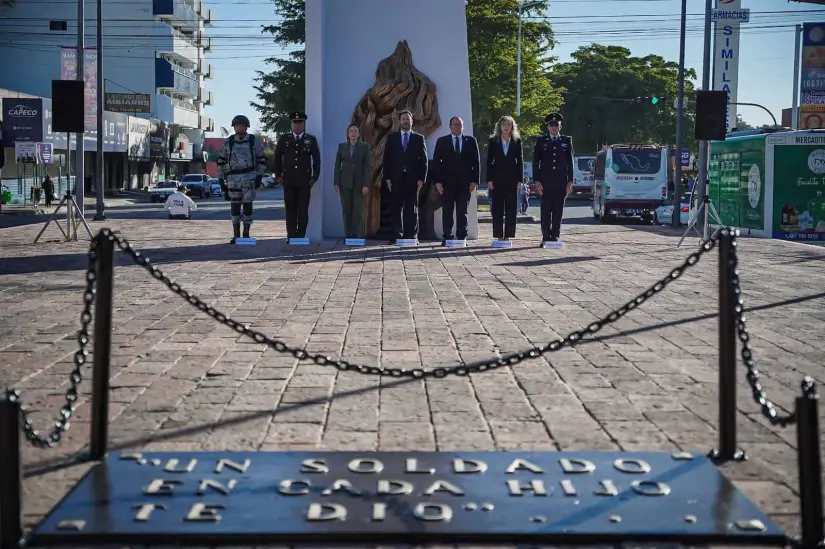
[{"x": 155, "y": 47}]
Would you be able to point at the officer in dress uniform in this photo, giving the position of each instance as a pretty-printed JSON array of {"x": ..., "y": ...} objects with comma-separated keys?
[
  {"x": 553, "y": 175},
  {"x": 297, "y": 167},
  {"x": 241, "y": 168}
]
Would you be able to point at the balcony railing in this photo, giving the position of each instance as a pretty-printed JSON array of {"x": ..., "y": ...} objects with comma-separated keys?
[
  {"x": 177, "y": 46},
  {"x": 205, "y": 69},
  {"x": 171, "y": 77},
  {"x": 184, "y": 105},
  {"x": 206, "y": 42},
  {"x": 207, "y": 17},
  {"x": 176, "y": 11}
]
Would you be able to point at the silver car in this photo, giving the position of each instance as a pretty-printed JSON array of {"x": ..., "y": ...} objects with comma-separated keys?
[{"x": 162, "y": 191}]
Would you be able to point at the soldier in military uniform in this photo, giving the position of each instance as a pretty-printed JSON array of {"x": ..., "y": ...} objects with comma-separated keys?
[
  {"x": 553, "y": 175},
  {"x": 297, "y": 167},
  {"x": 241, "y": 168}
]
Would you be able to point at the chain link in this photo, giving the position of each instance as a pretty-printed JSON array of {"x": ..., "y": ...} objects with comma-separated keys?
[
  {"x": 746, "y": 351},
  {"x": 419, "y": 373},
  {"x": 76, "y": 377},
  {"x": 80, "y": 357}
]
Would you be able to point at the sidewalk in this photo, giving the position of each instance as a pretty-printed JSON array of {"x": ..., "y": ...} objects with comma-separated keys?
[{"x": 183, "y": 382}]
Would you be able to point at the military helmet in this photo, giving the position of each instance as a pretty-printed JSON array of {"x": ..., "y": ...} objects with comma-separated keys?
[{"x": 241, "y": 119}]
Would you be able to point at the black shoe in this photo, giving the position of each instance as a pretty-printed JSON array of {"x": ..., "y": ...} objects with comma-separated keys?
[
  {"x": 393, "y": 242},
  {"x": 246, "y": 227},
  {"x": 232, "y": 241},
  {"x": 554, "y": 239},
  {"x": 236, "y": 229},
  {"x": 444, "y": 242}
]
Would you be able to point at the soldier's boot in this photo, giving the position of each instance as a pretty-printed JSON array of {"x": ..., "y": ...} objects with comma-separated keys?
[
  {"x": 246, "y": 227},
  {"x": 236, "y": 228}
]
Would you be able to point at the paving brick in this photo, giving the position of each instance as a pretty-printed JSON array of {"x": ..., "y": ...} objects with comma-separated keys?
[{"x": 182, "y": 382}]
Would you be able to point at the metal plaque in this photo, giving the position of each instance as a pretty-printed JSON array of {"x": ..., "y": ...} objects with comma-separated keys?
[{"x": 233, "y": 498}]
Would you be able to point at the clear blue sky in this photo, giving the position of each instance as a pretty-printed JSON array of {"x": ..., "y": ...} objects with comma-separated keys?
[{"x": 643, "y": 26}]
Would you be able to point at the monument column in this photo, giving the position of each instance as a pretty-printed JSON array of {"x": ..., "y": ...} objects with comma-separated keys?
[{"x": 365, "y": 61}]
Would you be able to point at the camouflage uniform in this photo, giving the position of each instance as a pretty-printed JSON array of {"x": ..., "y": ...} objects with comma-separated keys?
[{"x": 241, "y": 168}]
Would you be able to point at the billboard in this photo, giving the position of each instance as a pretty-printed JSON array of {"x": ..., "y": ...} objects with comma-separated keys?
[
  {"x": 129, "y": 103},
  {"x": 138, "y": 138},
  {"x": 22, "y": 119},
  {"x": 68, "y": 71},
  {"x": 812, "y": 77},
  {"x": 158, "y": 139},
  {"x": 728, "y": 17}
]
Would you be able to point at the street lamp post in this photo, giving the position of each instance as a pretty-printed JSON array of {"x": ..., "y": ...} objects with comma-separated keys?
[{"x": 518, "y": 70}]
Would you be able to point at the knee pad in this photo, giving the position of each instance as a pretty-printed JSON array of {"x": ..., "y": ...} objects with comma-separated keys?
[
  {"x": 235, "y": 208},
  {"x": 247, "y": 208}
]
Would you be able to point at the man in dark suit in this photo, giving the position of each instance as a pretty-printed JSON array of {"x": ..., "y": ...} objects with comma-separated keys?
[
  {"x": 405, "y": 170},
  {"x": 457, "y": 167},
  {"x": 553, "y": 175},
  {"x": 297, "y": 167}
]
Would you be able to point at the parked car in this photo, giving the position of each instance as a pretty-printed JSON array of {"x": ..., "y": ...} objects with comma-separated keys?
[
  {"x": 216, "y": 187},
  {"x": 162, "y": 191},
  {"x": 197, "y": 185},
  {"x": 688, "y": 207}
]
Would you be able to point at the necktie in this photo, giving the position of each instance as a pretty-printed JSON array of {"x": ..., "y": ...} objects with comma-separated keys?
[
  {"x": 404, "y": 141},
  {"x": 457, "y": 148}
]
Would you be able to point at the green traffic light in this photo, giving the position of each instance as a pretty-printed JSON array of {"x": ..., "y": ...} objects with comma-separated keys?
[{"x": 654, "y": 100}]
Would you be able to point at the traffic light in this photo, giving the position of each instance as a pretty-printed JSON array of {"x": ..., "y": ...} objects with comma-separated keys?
[{"x": 651, "y": 100}]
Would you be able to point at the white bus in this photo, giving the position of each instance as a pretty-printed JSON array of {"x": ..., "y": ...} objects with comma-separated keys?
[
  {"x": 582, "y": 176},
  {"x": 630, "y": 181}
]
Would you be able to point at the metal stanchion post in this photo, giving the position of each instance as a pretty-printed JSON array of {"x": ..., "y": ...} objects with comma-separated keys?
[
  {"x": 101, "y": 367},
  {"x": 11, "y": 481},
  {"x": 810, "y": 466},
  {"x": 727, "y": 351}
]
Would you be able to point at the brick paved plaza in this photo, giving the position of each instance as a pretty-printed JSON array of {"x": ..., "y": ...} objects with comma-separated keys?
[{"x": 182, "y": 382}]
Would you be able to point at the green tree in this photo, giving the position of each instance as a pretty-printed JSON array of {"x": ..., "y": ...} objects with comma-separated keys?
[
  {"x": 281, "y": 91},
  {"x": 741, "y": 124},
  {"x": 492, "y": 27},
  {"x": 601, "y": 84},
  {"x": 492, "y": 31}
]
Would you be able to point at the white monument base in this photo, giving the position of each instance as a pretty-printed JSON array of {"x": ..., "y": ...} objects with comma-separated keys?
[
  {"x": 502, "y": 243},
  {"x": 553, "y": 245},
  {"x": 345, "y": 42},
  {"x": 407, "y": 242},
  {"x": 245, "y": 241},
  {"x": 456, "y": 243},
  {"x": 355, "y": 242},
  {"x": 299, "y": 242}
]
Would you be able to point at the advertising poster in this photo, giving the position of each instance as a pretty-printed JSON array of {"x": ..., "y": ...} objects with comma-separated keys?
[
  {"x": 22, "y": 119},
  {"x": 799, "y": 192},
  {"x": 158, "y": 139},
  {"x": 138, "y": 138},
  {"x": 812, "y": 77},
  {"x": 752, "y": 190},
  {"x": 68, "y": 71},
  {"x": 729, "y": 174}
]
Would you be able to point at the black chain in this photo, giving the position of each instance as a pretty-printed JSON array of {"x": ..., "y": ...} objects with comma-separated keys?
[
  {"x": 80, "y": 357},
  {"x": 766, "y": 406},
  {"x": 461, "y": 370},
  {"x": 76, "y": 377}
]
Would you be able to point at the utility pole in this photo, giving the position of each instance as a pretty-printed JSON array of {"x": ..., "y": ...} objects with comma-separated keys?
[
  {"x": 80, "y": 62},
  {"x": 518, "y": 70},
  {"x": 703, "y": 145},
  {"x": 676, "y": 218},
  {"x": 100, "y": 185},
  {"x": 796, "y": 62}
]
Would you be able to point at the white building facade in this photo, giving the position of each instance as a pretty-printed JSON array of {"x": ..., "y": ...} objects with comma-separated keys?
[{"x": 156, "y": 47}]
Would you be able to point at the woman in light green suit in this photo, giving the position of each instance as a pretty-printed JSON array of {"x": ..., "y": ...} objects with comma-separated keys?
[{"x": 353, "y": 169}]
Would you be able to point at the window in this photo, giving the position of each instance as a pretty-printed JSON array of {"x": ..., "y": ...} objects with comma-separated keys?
[
  {"x": 192, "y": 178},
  {"x": 637, "y": 161},
  {"x": 583, "y": 164}
]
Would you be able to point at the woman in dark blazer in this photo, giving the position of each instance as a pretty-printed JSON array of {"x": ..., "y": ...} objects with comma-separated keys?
[
  {"x": 505, "y": 170},
  {"x": 353, "y": 170}
]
